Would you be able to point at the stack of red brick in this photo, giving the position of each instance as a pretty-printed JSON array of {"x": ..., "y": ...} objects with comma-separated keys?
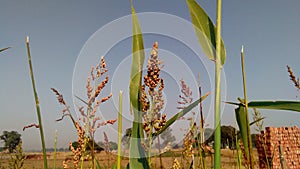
[{"x": 269, "y": 141}]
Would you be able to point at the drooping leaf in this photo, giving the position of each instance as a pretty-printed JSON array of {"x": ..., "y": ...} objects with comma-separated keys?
[
  {"x": 205, "y": 31},
  {"x": 241, "y": 119},
  {"x": 276, "y": 105},
  {"x": 273, "y": 105},
  {"x": 1, "y": 50},
  {"x": 181, "y": 114},
  {"x": 137, "y": 155}
]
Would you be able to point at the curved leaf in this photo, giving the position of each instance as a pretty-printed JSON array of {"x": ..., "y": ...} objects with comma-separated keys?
[
  {"x": 273, "y": 105},
  {"x": 205, "y": 31},
  {"x": 241, "y": 119},
  {"x": 276, "y": 105},
  {"x": 180, "y": 114},
  {"x": 137, "y": 155}
]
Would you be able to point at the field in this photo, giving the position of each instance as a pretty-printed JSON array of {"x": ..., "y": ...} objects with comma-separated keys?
[{"x": 35, "y": 160}]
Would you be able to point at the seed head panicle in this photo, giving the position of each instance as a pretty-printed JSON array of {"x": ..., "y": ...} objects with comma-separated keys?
[
  {"x": 152, "y": 78},
  {"x": 89, "y": 87},
  {"x": 176, "y": 164},
  {"x": 144, "y": 100},
  {"x": 59, "y": 96},
  {"x": 94, "y": 89},
  {"x": 152, "y": 100},
  {"x": 78, "y": 152},
  {"x": 293, "y": 77},
  {"x": 186, "y": 97}
]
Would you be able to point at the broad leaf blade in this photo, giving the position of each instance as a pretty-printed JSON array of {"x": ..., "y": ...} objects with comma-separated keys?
[
  {"x": 273, "y": 105},
  {"x": 241, "y": 119},
  {"x": 181, "y": 114},
  {"x": 276, "y": 105},
  {"x": 205, "y": 31},
  {"x": 137, "y": 155}
]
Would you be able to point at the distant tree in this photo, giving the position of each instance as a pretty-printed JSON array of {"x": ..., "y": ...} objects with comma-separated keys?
[
  {"x": 208, "y": 136},
  {"x": 11, "y": 140},
  {"x": 167, "y": 137},
  {"x": 253, "y": 138},
  {"x": 208, "y": 132},
  {"x": 227, "y": 137},
  {"x": 97, "y": 147},
  {"x": 112, "y": 145},
  {"x": 126, "y": 137}
]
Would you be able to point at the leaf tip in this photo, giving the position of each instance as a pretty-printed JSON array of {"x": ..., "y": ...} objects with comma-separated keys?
[
  {"x": 242, "y": 50},
  {"x": 27, "y": 39}
]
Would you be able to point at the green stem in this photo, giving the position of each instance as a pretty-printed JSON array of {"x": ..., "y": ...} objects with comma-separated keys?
[
  {"x": 201, "y": 141},
  {"x": 37, "y": 105},
  {"x": 150, "y": 145},
  {"x": 246, "y": 108},
  {"x": 217, "y": 135},
  {"x": 120, "y": 130},
  {"x": 55, "y": 145},
  {"x": 150, "y": 137}
]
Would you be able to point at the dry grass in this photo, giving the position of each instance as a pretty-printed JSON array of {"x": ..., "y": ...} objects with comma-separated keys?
[{"x": 35, "y": 160}]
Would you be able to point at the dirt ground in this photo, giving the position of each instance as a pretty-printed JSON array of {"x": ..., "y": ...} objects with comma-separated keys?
[{"x": 35, "y": 160}]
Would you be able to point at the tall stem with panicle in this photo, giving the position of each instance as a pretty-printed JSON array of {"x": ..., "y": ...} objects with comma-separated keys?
[
  {"x": 37, "y": 105},
  {"x": 217, "y": 135}
]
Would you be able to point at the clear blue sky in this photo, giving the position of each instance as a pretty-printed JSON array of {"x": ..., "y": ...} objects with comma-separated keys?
[{"x": 58, "y": 31}]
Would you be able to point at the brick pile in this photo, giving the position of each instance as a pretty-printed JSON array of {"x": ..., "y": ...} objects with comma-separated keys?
[{"x": 269, "y": 141}]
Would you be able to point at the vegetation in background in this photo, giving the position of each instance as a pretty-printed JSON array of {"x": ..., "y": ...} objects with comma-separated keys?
[
  {"x": 147, "y": 104},
  {"x": 168, "y": 138},
  {"x": 11, "y": 140},
  {"x": 17, "y": 159}
]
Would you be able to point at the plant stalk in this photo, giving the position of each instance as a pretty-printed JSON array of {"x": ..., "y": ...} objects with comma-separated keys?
[
  {"x": 201, "y": 141},
  {"x": 37, "y": 105},
  {"x": 159, "y": 151},
  {"x": 217, "y": 122},
  {"x": 246, "y": 109},
  {"x": 120, "y": 130},
  {"x": 55, "y": 147}
]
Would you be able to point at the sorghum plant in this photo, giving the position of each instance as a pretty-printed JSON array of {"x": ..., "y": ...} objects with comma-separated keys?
[
  {"x": 88, "y": 122},
  {"x": 152, "y": 99}
]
